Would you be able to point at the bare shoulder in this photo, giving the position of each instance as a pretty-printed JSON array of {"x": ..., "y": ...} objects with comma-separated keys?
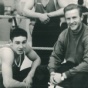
[
  {"x": 6, "y": 53},
  {"x": 28, "y": 48},
  {"x": 63, "y": 3},
  {"x": 30, "y": 3},
  {"x": 5, "y": 50}
]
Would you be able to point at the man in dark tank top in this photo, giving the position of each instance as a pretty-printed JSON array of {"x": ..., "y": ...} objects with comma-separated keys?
[{"x": 12, "y": 57}]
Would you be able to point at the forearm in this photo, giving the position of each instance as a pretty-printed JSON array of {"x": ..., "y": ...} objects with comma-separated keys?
[
  {"x": 31, "y": 14},
  {"x": 54, "y": 63},
  {"x": 35, "y": 64},
  {"x": 14, "y": 84},
  {"x": 82, "y": 67},
  {"x": 56, "y": 13}
]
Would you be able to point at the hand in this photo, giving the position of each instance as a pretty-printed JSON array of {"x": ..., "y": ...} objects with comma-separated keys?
[
  {"x": 51, "y": 78},
  {"x": 44, "y": 18},
  {"x": 57, "y": 78},
  {"x": 28, "y": 81}
]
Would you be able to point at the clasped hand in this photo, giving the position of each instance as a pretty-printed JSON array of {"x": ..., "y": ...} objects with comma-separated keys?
[
  {"x": 44, "y": 18},
  {"x": 55, "y": 78}
]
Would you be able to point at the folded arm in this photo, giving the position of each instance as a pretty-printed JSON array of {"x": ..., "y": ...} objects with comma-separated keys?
[
  {"x": 7, "y": 60},
  {"x": 31, "y": 54}
]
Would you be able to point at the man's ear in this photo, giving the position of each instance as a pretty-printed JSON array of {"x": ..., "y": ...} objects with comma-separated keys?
[{"x": 10, "y": 42}]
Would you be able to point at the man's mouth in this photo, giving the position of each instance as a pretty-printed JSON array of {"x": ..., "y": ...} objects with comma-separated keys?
[
  {"x": 20, "y": 50},
  {"x": 72, "y": 25}
]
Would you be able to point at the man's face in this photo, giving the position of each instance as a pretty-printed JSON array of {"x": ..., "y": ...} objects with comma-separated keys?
[
  {"x": 19, "y": 44},
  {"x": 73, "y": 19}
]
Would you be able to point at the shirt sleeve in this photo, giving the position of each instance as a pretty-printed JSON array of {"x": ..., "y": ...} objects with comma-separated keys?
[
  {"x": 83, "y": 66},
  {"x": 57, "y": 55}
]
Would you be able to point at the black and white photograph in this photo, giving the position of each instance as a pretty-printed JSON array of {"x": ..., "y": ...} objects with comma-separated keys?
[{"x": 43, "y": 43}]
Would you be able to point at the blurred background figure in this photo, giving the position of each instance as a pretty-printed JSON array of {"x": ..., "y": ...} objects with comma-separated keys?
[
  {"x": 2, "y": 7},
  {"x": 84, "y": 4},
  {"x": 23, "y": 22}
]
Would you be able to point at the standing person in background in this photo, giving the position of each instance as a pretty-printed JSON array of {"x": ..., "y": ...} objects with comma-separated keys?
[
  {"x": 12, "y": 58},
  {"x": 47, "y": 26},
  {"x": 84, "y": 4},
  {"x": 22, "y": 22}
]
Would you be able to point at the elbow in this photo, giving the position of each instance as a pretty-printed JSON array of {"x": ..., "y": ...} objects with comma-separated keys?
[
  {"x": 39, "y": 61},
  {"x": 25, "y": 11},
  {"x": 7, "y": 84}
]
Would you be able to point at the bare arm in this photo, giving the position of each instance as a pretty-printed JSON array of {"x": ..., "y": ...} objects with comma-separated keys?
[
  {"x": 36, "y": 61},
  {"x": 62, "y": 4},
  {"x": 28, "y": 12},
  {"x": 7, "y": 60}
]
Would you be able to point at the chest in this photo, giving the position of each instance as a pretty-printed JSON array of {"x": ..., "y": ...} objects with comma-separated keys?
[
  {"x": 44, "y": 2},
  {"x": 44, "y": 7}
]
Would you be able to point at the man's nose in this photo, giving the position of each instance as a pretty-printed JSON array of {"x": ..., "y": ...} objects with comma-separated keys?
[
  {"x": 21, "y": 46},
  {"x": 71, "y": 20}
]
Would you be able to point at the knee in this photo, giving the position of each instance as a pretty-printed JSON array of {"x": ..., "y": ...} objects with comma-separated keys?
[
  {"x": 41, "y": 72},
  {"x": 79, "y": 80}
]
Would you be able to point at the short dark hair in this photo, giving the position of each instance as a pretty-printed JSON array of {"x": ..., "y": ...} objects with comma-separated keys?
[
  {"x": 73, "y": 6},
  {"x": 18, "y": 32}
]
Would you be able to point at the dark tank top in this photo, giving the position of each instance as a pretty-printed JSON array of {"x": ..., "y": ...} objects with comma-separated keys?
[
  {"x": 50, "y": 7},
  {"x": 45, "y": 35},
  {"x": 16, "y": 68}
]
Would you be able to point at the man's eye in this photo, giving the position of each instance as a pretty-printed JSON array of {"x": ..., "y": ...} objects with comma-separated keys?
[
  {"x": 17, "y": 42},
  {"x": 68, "y": 18},
  {"x": 74, "y": 17},
  {"x": 24, "y": 42}
]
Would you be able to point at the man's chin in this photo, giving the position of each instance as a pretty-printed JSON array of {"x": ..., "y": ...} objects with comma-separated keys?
[
  {"x": 20, "y": 52},
  {"x": 73, "y": 28}
]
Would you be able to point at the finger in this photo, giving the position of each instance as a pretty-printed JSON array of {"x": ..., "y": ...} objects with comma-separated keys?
[
  {"x": 53, "y": 80},
  {"x": 46, "y": 21}
]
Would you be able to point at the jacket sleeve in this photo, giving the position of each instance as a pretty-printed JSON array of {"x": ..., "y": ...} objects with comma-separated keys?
[
  {"x": 57, "y": 55},
  {"x": 83, "y": 66}
]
